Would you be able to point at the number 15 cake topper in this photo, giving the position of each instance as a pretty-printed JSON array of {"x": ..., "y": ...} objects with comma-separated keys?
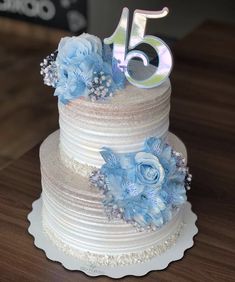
[{"x": 123, "y": 56}]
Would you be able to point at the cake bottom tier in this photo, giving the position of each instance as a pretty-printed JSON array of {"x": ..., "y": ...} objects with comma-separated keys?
[{"x": 73, "y": 217}]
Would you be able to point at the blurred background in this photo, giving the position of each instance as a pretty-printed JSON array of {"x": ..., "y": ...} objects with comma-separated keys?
[
  {"x": 100, "y": 17},
  {"x": 31, "y": 29}
]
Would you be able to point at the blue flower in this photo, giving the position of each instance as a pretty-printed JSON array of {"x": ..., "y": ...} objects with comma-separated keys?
[
  {"x": 149, "y": 171},
  {"x": 77, "y": 60},
  {"x": 82, "y": 67},
  {"x": 74, "y": 50},
  {"x": 143, "y": 187}
]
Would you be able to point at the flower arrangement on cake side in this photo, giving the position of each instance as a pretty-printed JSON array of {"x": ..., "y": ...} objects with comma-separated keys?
[
  {"x": 82, "y": 67},
  {"x": 143, "y": 188}
]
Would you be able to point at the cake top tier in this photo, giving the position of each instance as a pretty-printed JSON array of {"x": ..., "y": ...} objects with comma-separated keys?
[{"x": 83, "y": 66}]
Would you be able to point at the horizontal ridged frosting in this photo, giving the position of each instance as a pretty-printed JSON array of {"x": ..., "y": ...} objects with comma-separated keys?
[
  {"x": 74, "y": 214},
  {"x": 122, "y": 122}
]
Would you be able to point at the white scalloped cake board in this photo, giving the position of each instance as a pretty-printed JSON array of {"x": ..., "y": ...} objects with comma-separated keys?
[{"x": 176, "y": 252}]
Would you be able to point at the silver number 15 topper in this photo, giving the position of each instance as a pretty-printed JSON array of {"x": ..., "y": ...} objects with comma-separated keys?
[{"x": 120, "y": 53}]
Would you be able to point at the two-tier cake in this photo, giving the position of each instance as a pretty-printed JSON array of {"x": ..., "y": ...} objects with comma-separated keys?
[{"x": 114, "y": 179}]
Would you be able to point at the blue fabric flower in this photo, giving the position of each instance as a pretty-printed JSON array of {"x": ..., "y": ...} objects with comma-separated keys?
[
  {"x": 143, "y": 187},
  {"x": 77, "y": 60},
  {"x": 75, "y": 49},
  {"x": 82, "y": 67},
  {"x": 149, "y": 171}
]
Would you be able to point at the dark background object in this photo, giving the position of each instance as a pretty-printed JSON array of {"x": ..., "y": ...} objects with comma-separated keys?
[
  {"x": 64, "y": 14},
  {"x": 100, "y": 17}
]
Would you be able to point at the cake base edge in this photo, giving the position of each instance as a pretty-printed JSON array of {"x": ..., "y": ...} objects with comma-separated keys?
[{"x": 159, "y": 262}]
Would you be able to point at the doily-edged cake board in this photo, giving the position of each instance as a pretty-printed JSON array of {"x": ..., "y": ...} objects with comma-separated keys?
[{"x": 159, "y": 262}]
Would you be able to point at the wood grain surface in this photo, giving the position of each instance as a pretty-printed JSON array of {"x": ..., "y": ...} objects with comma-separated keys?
[
  {"x": 203, "y": 116},
  {"x": 31, "y": 31},
  {"x": 27, "y": 107}
]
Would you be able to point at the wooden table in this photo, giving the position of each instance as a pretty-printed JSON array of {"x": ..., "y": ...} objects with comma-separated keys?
[
  {"x": 27, "y": 107},
  {"x": 203, "y": 116}
]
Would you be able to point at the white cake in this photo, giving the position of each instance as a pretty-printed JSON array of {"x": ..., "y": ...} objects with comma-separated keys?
[{"x": 73, "y": 213}]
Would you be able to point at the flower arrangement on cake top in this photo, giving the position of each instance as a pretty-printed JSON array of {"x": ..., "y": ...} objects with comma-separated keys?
[
  {"x": 143, "y": 188},
  {"x": 82, "y": 66}
]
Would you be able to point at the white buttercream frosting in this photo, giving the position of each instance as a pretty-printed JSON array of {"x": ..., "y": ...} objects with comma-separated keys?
[
  {"x": 73, "y": 214},
  {"x": 74, "y": 217},
  {"x": 123, "y": 122},
  {"x": 123, "y": 259}
]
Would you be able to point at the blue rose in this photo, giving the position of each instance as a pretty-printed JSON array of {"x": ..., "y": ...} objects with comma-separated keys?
[
  {"x": 75, "y": 49},
  {"x": 149, "y": 171},
  {"x": 77, "y": 60}
]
